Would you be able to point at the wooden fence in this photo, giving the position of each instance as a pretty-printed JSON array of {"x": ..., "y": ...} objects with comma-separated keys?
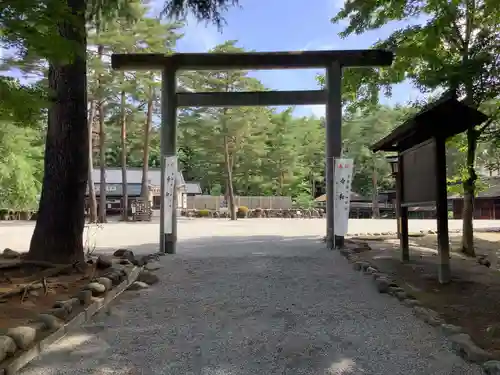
[{"x": 209, "y": 202}]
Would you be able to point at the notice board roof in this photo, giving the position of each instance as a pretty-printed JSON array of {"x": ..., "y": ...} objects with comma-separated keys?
[{"x": 444, "y": 117}]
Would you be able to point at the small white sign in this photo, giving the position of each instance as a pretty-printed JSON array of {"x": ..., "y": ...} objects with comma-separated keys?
[
  {"x": 343, "y": 169},
  {"x": 184, "y": 201},
  {"x": 170, "y": 177}
]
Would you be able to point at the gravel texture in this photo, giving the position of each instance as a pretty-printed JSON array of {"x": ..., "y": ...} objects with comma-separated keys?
[{"x": 231, "y": 307}]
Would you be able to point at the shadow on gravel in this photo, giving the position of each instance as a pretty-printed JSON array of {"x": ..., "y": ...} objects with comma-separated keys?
[
  {"x": 83, "y": 353},
  {"x": 297, "y": 351},
  {"x": 222, "y": 246}
]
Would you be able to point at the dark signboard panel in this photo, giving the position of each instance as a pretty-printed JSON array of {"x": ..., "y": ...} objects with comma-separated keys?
[{"x": 419, "y": 174}]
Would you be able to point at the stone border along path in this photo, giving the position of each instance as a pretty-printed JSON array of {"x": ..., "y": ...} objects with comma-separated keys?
[
  {"x": 461, "y": 343},
  {"x": 266, "y": 256},
  {"x": 18, "y": 346},
  {"x": 295, "y": 308}
]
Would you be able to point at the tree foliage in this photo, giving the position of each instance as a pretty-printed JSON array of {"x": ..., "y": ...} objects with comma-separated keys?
[
  {"x": 444, "y": 45},
  {"x": 55, "y": 31}
]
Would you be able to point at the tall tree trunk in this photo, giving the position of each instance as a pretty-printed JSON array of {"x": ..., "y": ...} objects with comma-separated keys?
[
  {"x": 226, "y": 194},
  {"x": 124, "y": 158},
  {"x": 91, "y": 186},
  {"x": 375, "y": 206},
  {"x": 281, "y": 180},
  {"x": 229, "y": 179},
  {"x": 102, "y": 147},
  {"x": 102, "y": 165},
  {"x": 313, "y": 186},
  {"x": 58, "y": 234},
  {"x": 145, "y": 154},
  {"x": 469, "y": 186}
]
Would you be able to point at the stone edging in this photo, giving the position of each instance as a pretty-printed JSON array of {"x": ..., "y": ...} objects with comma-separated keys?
[
  {"x": 461, "y": 342},
  {"x": 23, "y": 337}
]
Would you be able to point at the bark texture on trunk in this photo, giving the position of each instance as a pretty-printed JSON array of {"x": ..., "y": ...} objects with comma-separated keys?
[
  {"x": 145, "y": 154},
  {"x": 102, "y": 148},
  {"x": 124, "y": 157},
  {"x": 375, "y": 206},
  {"x": 469, "y": 186},
  {"x": 229, "y": 179},
  {"x": 313, "y": 186},
  {"x": 58, "y": 234},
  {"x": 102, "y": 166},
  {"x": 92, "y": 202},
  {"x": 281, "y": 181}
]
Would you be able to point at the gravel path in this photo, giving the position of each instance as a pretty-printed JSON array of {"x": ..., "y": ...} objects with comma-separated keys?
[{"x": 282, "y": 306}]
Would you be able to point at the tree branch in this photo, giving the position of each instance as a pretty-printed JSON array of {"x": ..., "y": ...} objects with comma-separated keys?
[
  {"x": 453, "y": 19},
  {"x": 488, "y": 122}
]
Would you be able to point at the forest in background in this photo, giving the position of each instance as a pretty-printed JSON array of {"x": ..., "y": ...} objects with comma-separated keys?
[
  {"x": 454, "y": 47},
  {"x": 269, "y": 152}
]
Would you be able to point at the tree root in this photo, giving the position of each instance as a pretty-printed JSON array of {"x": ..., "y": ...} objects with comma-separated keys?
[
  {"x": 39, "y": 281},
  {"x": 35, "y": 263},
  {"x": 24, "y": 289}
]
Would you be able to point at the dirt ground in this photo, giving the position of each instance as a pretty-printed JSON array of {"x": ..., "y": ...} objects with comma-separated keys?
[
  {"x": 471, "y": 300},
  {"x": 27, "y": 290}
]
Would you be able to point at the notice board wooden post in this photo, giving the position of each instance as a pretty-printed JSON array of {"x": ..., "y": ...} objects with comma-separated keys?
[
  {"x": 442, "y": 212},
  {"x": 421, "y": 146},
  {"x": 403, "y": 215}
]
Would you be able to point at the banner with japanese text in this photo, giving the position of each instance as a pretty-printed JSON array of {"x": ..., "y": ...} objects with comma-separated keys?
[
  {"x": 170, "y": 179},
  {"x": 343, "y": 170}
]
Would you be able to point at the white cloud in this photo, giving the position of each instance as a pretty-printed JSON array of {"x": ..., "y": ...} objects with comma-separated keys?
[
  {"x": 310, "y": 110},
  {"x": 336, "y": 5},
  {"x": 318, "y": 45},
  {"x": 317, "y": 110}
]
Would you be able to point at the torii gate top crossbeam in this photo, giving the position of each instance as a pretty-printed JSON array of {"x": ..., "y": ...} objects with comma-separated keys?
[
  {"x": 332, "y": 61},
  {"x": 252, "y": 60}
]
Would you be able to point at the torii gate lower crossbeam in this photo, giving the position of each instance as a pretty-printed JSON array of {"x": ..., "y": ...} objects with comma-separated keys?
[{"x": 332, "y": 61}]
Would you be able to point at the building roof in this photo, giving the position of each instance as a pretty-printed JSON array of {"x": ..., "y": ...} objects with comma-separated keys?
[
  {"x": 193, "y": 188},
  {"x": 134, "y": 176},
  {"x": 492, "y": 189}
]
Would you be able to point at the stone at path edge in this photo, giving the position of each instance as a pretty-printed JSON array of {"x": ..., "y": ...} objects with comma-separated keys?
[
  {"x": 96, "y": 288},
  {"x": 492, "y": 367},
  {"x": 7, "y": 347},
  {"x": 24, "y": 336}
]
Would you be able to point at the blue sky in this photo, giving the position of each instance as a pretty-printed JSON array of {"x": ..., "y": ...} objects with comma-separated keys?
[{"x": 273, "y": 26}]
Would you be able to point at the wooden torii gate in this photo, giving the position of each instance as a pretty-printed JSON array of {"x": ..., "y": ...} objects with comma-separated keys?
[{"x": 332, "y": 61}]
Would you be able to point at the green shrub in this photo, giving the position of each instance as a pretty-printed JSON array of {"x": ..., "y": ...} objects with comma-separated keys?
[
  {"x": 4, "y": 214},
  {"x": 204, "y": 213},
  {"x": 242, "y": 211}
]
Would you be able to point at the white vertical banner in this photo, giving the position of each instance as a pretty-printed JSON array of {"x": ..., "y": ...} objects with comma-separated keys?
[
  {"x": 343, "y": 169},
  {"x": 184, "y": 201},
  {"x": 170, "y": 175}
]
